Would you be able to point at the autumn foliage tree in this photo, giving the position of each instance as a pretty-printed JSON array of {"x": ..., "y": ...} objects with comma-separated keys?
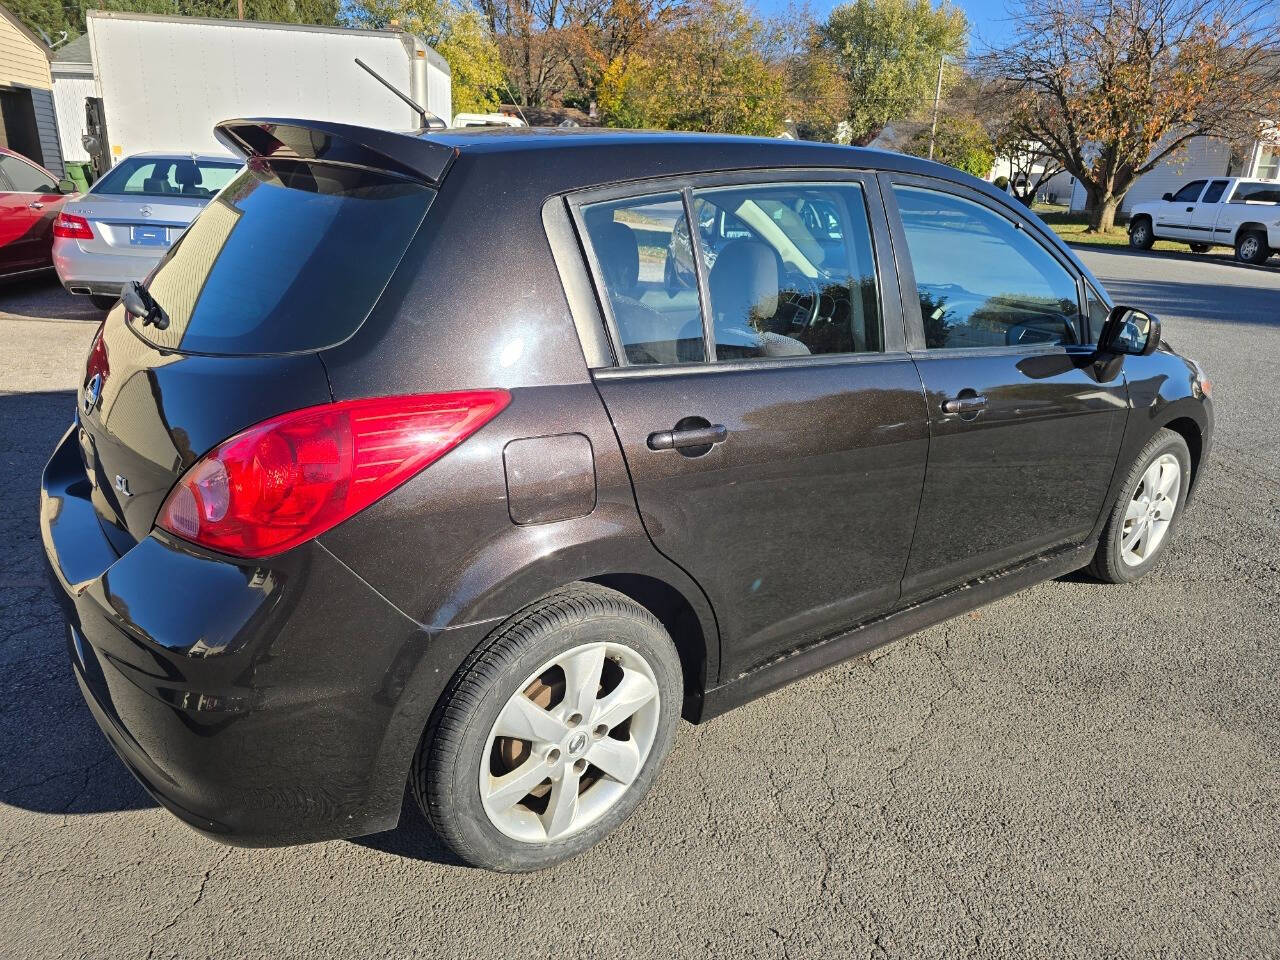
[{"x": 1112, "y": 87}]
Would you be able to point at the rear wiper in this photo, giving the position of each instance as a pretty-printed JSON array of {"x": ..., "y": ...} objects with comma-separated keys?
[{"x": 138, "y": 302}]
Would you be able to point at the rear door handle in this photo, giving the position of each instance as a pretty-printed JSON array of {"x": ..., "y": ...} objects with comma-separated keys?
[
  {"x": 964, "y": 404},
  {"x": 698, "y": 437}
]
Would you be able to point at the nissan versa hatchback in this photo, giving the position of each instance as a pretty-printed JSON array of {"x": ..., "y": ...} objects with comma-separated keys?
[{"x": 377, "y": 482}]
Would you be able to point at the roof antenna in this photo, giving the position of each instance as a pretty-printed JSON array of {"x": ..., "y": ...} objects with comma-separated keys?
[{"x": 429, "y": 120}]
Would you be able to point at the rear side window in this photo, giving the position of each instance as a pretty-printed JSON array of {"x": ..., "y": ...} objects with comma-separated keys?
[
  {"x": 642, "y": 254},
  {"x": 1257, "y": 193},
  {"x": 291, "y": 257},
  {"x": 983, "y": 281},
  {"x": 790, "y": 270},
  {"x": 167, "y": 177},
  {"x": 1214, "y": 193}
]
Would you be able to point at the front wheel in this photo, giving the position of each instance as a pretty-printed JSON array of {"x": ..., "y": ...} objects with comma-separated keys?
[
  {"x": 1141, "y": 236},
  {"x": 1145, "y": 516},
  {"x": 551, "y": 734},
  {"x": 1252, "y": 247}
]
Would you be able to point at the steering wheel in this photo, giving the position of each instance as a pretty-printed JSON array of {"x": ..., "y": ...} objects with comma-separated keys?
[{"x": 803, "y": 296}]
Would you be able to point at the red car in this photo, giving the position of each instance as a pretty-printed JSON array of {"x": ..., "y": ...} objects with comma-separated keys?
[{"x": 30, "y": 200}]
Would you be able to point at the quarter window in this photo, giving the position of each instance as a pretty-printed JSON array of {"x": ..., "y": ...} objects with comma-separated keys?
[
  {"x": 654, "y": 302},
  {"x": 981, "y": 279},
  {"x": 790, "y": 270},
  {"x": 1190, "y": 193},
  {"x": 1098, "y": 313}
]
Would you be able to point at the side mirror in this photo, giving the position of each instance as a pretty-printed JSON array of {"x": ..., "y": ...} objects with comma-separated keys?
[
  {"x": 1167, "y": 197},
  {"x": 1130, "y": 331},
  {"x": 67, "y": 185}
]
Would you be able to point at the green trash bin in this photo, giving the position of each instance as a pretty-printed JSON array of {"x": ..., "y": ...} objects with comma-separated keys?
[{"x": 81, "y": 171}]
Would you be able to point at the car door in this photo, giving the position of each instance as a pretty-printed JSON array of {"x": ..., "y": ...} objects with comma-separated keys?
[
  {"x": 1204, "y": 216},
  {"x": 29, "y": 202},
  {"x": 1025, "y": 425},
  {"x": 1174, "y": 218},
  {"x": 773, "y": 424}
]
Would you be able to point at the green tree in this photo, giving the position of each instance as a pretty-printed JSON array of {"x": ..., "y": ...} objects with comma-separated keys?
[
  {"x": 960, "y": 142},
  {"x": 705, "y": 73},
  {"x": 459, "y": 34},
  {"x": 886, "y": 54},
  {"x": 53, "y": 18}
]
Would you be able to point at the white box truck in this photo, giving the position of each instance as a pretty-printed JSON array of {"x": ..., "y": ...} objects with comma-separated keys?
[{"x": 163, "y": 82}]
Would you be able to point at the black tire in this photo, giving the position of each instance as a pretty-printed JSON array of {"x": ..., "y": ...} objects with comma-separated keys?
[
  {"x": 445, "y": 776},
  {"x": 1141, "y": 236},
  {"x": 1108, "y": 563},
  {"x": 1251, "y": 247},
  {"x": 103, "y": 301},
  {"x": 1199, "y": 248}
]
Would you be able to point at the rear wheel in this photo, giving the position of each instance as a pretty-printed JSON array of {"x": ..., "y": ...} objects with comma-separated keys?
[
  {"x": 1251, "y": 247},
  {"x": 102, "y": 301},
  {"x": 1147, "y": 513},
  {"x": 552, "y": 733},
  {"x": 1141, "y": 236}
]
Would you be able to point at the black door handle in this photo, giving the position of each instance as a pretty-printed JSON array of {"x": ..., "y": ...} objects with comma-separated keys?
[
  {"x": 682, "y": 439},
  {"x": 967, "y": 404},
  {"x": 1189, "y": 209}
]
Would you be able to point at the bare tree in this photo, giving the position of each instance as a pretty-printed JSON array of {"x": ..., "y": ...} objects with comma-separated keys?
[{"x": 1112, "y": 87}]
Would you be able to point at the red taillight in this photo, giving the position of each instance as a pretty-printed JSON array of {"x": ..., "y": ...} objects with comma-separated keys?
[
  {"x": 294, "y": 476},
  {"x": 70, "y": 227}
]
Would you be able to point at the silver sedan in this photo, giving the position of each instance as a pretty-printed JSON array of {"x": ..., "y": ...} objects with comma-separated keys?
[{"x": 121, "y": 228}]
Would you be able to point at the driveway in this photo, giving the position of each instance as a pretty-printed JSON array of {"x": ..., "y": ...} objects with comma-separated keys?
[{"x": 1078, "y": 770}]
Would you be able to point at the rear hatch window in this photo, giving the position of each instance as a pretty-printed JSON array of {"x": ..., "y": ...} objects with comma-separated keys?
[{"x": 290, "y": 257}]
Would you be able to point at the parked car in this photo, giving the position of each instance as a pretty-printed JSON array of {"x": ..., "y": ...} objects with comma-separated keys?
[
  {"x": 120, "y": 228},
  {"x": 338, "y": 512},
  {"x": 1232, "y": 211},
  {"x": 30, "y": 198}
]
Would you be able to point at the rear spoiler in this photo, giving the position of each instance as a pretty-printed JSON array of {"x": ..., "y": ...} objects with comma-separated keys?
[{"x": 339, "y": 144}]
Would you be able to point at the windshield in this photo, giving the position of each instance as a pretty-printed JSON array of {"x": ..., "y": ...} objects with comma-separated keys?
[
  {"x": 167, "y": 177},
  {"x": 291, "y": 256}
]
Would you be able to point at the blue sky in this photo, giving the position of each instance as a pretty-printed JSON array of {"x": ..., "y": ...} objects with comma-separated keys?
[{"x": 988, "y": 19}]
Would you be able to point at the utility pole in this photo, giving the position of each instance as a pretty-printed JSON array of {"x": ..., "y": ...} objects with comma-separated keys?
[
  {"x": 937, "y": 97},
  {"x": 239, "y": 9}
]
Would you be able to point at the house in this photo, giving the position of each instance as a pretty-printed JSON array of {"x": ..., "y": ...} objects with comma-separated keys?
[
  {"x": 73, "y": 83},
  {"x": 28, "y": 122},
  {"x": 1199, "y": 158}
]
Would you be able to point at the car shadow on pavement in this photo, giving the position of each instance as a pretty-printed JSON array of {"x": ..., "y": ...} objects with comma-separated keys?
[
  {"x": 413, "y": 839},
  {"x": 42, "y": 298},
  {"x": 53, "y": 756}
]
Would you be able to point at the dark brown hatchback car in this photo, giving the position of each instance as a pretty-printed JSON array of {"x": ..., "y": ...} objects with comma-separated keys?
[{"x": 473, "y": 461}]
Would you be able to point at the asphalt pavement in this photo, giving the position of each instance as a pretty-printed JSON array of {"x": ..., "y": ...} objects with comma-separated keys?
[{"x": 1079, "y": 770}]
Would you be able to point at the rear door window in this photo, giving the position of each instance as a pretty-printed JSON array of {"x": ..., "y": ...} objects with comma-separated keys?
[
  {"x": 643, "y": 257},
  {"x": 790, "y": 270},
  {"x": 292, "y": 256}
]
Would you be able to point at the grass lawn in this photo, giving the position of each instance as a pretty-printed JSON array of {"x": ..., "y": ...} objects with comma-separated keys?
[{"x": 1071, "y": 228}]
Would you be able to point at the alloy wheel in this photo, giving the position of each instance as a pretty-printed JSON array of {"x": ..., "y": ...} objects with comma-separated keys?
[
  {"x": 1147, "y": 518},
  {"x": 569, "y": 743},
  {"x": 1249, "y": 248}
]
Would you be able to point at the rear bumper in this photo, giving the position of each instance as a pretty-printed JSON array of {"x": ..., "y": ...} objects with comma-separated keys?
[
  {"x": 100, "y": 273},
  {"x": 262, "y": 703}
]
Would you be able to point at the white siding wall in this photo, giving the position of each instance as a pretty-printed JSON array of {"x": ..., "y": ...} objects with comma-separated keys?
[
  {"x": 1200, "y": 158},
  {"x": 69, "y": 94}
]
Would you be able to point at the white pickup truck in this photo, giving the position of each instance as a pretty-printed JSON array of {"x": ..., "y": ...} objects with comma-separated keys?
[{"x": 1230, "y": 211}]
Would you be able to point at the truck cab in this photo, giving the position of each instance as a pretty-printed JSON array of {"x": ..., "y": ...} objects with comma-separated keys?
[{"x": 1235, "y": 211}]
